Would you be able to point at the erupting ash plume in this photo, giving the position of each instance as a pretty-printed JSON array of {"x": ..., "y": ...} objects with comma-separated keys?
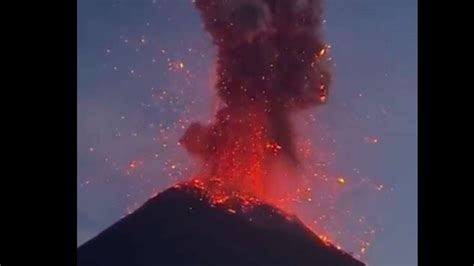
[{"x": 271, "y": 62}]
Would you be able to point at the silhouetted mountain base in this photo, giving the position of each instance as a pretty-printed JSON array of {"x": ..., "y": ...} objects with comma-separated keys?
[{"x": 180, "y": 227}]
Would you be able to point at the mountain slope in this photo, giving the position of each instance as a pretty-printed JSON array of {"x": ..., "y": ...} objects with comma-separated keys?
[{"x": 180, "y": 227}]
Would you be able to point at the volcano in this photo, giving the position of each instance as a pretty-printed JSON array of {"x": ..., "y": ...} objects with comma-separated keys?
[{"x": 181, "y": 227}]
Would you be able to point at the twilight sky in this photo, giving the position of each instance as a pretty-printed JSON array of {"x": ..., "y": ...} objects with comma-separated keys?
[{"x": 145, "y": 72}]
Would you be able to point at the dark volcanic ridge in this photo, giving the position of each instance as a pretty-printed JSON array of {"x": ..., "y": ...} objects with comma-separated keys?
[{"x": 180, "y": 227}]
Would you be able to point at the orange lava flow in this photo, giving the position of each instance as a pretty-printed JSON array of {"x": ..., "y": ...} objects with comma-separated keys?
[{"x": 235, "y": 202}]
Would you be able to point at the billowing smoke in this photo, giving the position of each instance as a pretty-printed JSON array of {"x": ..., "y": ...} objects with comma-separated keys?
[{"x": 271, "y": 62}]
